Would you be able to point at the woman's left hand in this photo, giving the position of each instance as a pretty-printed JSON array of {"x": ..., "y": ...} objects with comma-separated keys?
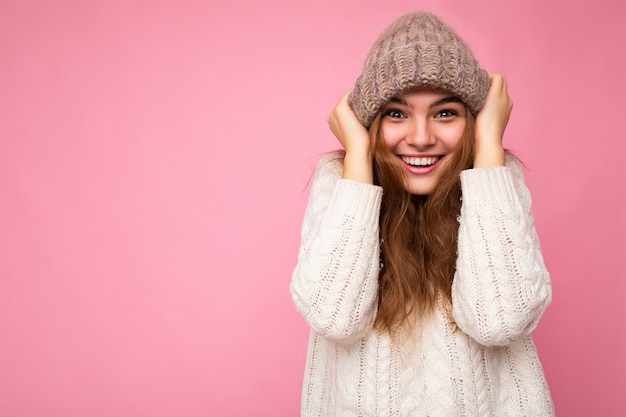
[{"x": 491, "y": 123}]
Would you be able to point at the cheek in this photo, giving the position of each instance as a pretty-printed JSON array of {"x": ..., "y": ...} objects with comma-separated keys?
[
  {"x": 451, "y": 136},
  {"x": 392, "y": 135}
]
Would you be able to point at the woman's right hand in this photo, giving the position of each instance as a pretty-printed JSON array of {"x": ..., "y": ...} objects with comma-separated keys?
[
  {"x": 355, "y": 140},
  {"x": 346, "y": 127}
]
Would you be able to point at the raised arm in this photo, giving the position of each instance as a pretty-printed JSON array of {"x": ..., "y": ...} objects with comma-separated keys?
[
  {"x": 335, "y": 281},
  {"x": 501, "y": 287}
]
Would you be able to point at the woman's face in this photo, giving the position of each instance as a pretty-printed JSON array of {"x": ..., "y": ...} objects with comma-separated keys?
[{"x": 423, "y": 129}]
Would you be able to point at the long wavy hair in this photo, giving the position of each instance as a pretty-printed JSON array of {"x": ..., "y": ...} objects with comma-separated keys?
[{"x": 418, "y": 233}]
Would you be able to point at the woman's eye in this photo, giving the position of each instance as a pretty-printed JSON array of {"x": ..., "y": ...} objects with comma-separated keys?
[
  {"x": 395, "y": 114},
  {"x": 445, "y": 114}
]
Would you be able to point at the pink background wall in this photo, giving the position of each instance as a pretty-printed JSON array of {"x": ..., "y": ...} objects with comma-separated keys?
[{"x": 153, "y": 163}]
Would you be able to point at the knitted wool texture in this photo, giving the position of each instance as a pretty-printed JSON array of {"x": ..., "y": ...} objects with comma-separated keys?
[
  {"x": 482, "y": 363},
  {"x": 418, "y": 49}
]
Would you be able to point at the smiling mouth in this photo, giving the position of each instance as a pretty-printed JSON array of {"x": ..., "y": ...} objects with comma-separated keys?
[{"x": 420, "y": 162}]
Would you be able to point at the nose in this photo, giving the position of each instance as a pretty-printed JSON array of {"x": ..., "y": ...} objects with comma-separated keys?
[{"x": 420, "y": 135}]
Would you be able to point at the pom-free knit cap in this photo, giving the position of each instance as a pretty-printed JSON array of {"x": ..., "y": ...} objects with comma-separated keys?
[{"x": 417, "y": 49}]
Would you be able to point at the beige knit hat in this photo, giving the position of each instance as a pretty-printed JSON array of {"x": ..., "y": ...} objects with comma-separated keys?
[{"x": 415, "y": 50}]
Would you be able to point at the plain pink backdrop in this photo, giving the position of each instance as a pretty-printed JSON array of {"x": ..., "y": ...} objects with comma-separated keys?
[{"x": 154, "y": 158}]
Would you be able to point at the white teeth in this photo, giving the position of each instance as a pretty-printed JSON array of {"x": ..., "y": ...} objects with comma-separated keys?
[{"x": 423, "y": 162}]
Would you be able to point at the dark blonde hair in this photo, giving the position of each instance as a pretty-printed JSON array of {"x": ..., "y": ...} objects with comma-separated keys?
[{"x": 418, "y": 233}]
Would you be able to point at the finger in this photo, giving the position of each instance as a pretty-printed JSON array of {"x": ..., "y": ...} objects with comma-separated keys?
[
  {"x": 498, "y": 82},
  {"x": 504, "y": 85},
  {"x": 344, "y": 98},
  {"x": 498, "y": 89},
  {"x": 343, "y": 101}
]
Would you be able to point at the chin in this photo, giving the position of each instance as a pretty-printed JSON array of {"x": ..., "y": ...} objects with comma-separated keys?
[
  {"x": 420, "y": 189},
  {"x": 421, "y": 184}
]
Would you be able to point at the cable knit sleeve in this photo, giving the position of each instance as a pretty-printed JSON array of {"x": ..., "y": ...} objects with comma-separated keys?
[
  {"x": 501, "y": 287},
  {"x": 335, "y": 282}
]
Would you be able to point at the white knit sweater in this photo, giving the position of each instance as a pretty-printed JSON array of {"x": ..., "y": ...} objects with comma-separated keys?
[{"x": 481, "y": 363}]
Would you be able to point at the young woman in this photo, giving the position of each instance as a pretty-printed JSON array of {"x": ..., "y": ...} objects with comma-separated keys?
[{"x": 420, "y": 272}]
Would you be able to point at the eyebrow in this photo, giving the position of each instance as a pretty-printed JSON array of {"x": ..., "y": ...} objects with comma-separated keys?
[{"x": 444, "y": 100}]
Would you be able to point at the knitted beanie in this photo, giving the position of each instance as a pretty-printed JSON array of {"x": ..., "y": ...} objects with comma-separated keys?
[{"x": 417, "y": 49}]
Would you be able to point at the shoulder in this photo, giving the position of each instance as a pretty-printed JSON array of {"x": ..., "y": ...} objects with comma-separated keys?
[
  {"x": 328, "y": 170},
  {"x": 330, "y": 164},
  {"x": 328, "y": 184},
  {"x": 495, "y": 184},
  {"x": 514, "y": 163},
  {"x": 516, "y": 167},
  {"x": 512, "y": 166}
]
